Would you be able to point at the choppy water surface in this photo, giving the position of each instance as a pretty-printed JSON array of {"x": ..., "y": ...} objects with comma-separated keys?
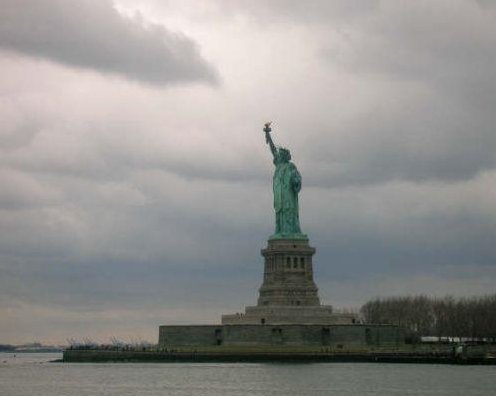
[{"x": 33, "y": 374}]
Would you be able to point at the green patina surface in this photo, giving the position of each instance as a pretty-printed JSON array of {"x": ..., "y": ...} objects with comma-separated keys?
[{"x": 286, "y": 186}]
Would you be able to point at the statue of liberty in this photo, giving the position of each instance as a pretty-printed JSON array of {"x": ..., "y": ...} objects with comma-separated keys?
[{"x": 286, "y": 186}]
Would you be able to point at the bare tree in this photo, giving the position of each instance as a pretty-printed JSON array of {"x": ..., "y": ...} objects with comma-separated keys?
[{"x": 465, "y": 318}]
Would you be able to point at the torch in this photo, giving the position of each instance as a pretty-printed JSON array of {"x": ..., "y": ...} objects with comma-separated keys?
[{"x": 267, "y": 130}]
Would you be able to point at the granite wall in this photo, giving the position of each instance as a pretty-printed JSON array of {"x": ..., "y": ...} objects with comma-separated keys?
[{"x": 285, "y": 335}]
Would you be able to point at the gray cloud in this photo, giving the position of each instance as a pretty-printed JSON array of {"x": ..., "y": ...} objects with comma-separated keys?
[
  {"x": 420, "y": 79},
  {"x": 428, "y": 73},
  {"x": 294, "y": 11},
  {"x": 94, "y": 35},
  {"x": 117, "y": 199},
  {"x": 434, "y": 141}
]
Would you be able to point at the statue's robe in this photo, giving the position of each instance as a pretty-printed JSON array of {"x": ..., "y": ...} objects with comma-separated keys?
[{"x": 286, "y": 186}]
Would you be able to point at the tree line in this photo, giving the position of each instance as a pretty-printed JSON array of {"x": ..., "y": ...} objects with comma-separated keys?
[{"x": 466, "y": 317}]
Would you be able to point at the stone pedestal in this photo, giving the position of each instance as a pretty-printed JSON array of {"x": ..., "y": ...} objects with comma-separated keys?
[
  {"x": 288, "y": 294},
  {"x": 288, "y": 274}
]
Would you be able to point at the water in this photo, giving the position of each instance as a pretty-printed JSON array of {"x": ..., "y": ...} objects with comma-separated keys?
[{"x": 33, "y": 374}]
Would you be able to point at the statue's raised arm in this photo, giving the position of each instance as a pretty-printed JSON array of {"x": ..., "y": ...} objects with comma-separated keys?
[{"x": 268, "y": 139}]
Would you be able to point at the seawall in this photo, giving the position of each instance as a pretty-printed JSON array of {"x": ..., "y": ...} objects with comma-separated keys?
[{"x": 445, "y": 356}]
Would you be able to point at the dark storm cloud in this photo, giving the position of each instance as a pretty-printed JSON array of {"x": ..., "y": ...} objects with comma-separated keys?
[{"x": 92, "y": 34}]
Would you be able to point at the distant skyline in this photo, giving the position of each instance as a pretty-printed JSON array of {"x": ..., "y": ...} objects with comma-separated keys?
[{"x": 136, "y": 182}]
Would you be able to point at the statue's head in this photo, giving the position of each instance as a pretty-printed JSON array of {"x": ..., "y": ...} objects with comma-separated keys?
[{"x": 284, "y": 155}]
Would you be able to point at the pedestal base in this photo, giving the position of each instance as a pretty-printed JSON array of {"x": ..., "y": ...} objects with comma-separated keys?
[
  {"x": 288, "y": 294},
  {"x": 283, "y": 314}
]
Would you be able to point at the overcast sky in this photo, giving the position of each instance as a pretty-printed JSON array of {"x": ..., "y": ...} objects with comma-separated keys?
[{"x": 135, "y": 179}]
